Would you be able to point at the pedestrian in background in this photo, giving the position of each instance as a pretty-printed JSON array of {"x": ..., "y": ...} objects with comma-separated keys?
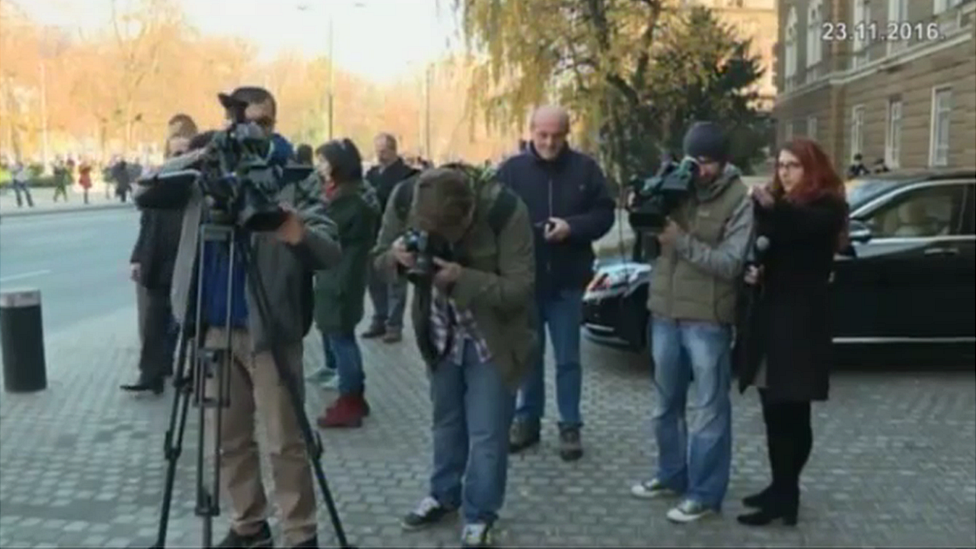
[
  {"x": 341, "y": 290},
  {"x": 22, "y": 178},
  {"x": 85, "y": 180},
  {"x": 787, "y": 354},
  {"x": 303, "y": 154},
  {"x": 389, "y": 296},
  {"x": 570, "y": 206}
]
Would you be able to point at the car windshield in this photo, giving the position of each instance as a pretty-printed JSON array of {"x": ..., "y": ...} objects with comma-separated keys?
[{"x": 860, "y": 191}]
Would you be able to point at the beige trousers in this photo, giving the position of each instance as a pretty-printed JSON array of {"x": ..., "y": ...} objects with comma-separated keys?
[{"x": 256, "y": 393}]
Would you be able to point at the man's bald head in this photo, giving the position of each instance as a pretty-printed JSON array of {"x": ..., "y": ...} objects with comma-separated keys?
[{"x": 549, "y": 126}]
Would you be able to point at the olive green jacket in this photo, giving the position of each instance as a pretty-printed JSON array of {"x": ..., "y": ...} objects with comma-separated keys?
[{"x": 496, "y": 284}]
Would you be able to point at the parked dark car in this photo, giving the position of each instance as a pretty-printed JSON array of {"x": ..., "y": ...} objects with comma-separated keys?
[{"x": 909, "y": 278}]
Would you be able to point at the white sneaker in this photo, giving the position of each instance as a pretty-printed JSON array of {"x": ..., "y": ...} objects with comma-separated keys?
[
  {"x": 689, "y": 510},
  {"x": 331, "y": 384},
  {"x": 652, "y": 489}
]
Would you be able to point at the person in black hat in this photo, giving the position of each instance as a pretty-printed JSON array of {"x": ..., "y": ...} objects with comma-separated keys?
[{"x": 692, "y": 302}]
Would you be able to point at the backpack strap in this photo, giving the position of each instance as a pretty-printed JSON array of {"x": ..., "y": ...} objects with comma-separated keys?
[
  {"x": 403, "y": 197},
  {"x": 502, "y": 209}
]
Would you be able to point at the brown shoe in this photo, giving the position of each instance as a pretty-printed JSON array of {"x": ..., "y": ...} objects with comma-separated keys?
[{"x": 393, "y": 336}]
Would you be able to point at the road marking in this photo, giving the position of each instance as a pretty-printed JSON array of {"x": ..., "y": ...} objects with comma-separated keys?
[{"x": 24, "y": 275}]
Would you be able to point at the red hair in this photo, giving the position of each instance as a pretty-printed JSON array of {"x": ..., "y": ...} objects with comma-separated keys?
[{"x": 819, "y": 177}]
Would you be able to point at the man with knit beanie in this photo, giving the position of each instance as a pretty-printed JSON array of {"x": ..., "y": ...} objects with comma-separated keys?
[
  {"x": 692, "y": 302},
  {"x": 475, "y": 329}
]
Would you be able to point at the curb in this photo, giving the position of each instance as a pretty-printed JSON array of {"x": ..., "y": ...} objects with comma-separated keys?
[{"x": 73, "y": 209}]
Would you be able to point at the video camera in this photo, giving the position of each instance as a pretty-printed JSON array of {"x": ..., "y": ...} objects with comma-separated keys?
[
  {"x": 234, "y": 171},
  {"x": 656, "y": 197},
  {"x": 425, "y": 246}
]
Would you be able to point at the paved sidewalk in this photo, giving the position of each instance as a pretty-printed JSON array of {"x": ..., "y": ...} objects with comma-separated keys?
[
  {"x": 893, "y": 463},
  {"x": 44, "y": 202}
]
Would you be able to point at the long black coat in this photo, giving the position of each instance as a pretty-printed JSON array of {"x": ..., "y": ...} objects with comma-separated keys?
[
  {"x": 789, "y": 321},
  {"x": 155, "y": 248}
]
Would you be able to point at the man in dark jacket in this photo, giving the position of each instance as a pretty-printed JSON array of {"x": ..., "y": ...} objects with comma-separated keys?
[
  {"x": 389, "y": 298},
  {"x": 570, "y": 207},
  {"x": 152, "y": 261}
]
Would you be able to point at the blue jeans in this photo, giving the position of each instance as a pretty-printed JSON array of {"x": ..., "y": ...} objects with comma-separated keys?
[
  {"x": 563, "y": 313},
  {"x": 389, "y": 300},
  {"x": 472, "y": 412},
  {"x": 694, "y": 456},
  {"x": 342, "y": 350}
]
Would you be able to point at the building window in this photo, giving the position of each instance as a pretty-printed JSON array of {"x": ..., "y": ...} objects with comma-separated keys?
[
  {"x": 857, "y": 130},
  {"x": 943, "y": 5},
  {"x": 893, "y": 134},
  {"x": 790, "y": 61},
  {"x": 788, "y": 131},
  {"x": 897, "y": 14},
  {"x": 814, "y": 31},
  {"x": 941, "y": 111},
  {"x": 862, "y": 20},
  {"x": 812, "y": 128}
]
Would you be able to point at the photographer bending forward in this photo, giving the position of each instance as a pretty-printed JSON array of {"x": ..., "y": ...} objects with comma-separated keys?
[
  {"x": 286, "y": 261},
  {"x": 692, "y": 303},
  {"x": 476, "y": 331}
]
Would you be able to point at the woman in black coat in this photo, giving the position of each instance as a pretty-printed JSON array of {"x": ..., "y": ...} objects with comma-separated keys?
[{"x": 786, "y": 348}]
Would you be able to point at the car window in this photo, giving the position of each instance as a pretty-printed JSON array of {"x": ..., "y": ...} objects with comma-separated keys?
[
  {"x": 925, "y": 212},
  {"x": 969, "y": 226}
]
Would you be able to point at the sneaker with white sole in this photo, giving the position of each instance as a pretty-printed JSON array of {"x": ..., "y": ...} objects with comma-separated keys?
[
  {"x": 428, "y": 513},
  {"x": 652, "y": 489},
  {"x": 331, "y": 384},
  {"x": 689, "y": 510},
  {"x": 476, "y": 535}
]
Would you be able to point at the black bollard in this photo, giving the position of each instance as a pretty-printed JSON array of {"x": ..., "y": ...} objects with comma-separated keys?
[{"x": 22, "y": 341}]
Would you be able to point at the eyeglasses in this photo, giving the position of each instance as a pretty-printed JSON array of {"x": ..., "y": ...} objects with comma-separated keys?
[{"x": 788, "y": 166}]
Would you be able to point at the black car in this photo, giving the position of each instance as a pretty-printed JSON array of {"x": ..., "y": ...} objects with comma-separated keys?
[{"x": 910, "y": 277}]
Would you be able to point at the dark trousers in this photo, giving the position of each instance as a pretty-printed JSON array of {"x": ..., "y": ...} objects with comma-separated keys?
[
  {"x": 159, "y": 342},
  {"x": 789, "y": 440}
]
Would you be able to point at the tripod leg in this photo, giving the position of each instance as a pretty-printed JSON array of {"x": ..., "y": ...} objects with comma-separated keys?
[
  {"x": 312, "y": 443},
  {"x": 173, "y": 445}
]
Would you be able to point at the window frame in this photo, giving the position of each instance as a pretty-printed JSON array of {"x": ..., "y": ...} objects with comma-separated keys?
[
  {"x": 936, "y": 148},
  {"x": 897, "y": 198},
  {"x": 814, "y": 32},
  {"x": 857, "y": 130},
  {"x": 893, "y": 138}
]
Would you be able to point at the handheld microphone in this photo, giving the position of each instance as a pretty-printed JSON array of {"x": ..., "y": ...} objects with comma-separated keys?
[{"x": 758, "y": 251}]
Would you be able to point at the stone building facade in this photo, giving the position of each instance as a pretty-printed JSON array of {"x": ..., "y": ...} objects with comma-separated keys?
[{"x": 890, "y": 79}]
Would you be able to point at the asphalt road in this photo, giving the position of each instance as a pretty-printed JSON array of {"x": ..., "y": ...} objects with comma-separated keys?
[{"x": 78, "y": 260}]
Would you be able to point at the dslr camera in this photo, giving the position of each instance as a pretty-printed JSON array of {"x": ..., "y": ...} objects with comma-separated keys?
[
  {"x": 425, "y": 246},
  {"x": 656, "y": 197}
]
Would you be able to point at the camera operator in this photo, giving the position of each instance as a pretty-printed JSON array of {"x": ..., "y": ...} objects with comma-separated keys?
[
  {"x": 286, "y": 261},
  {"x": 787, "y": 347},
  {"x": 340, "y": 291},
  {"x": 389, "y": 297},
  {"x": 570, "y": 207},
  {"x": 151, "y": 266},
  {"x": 692, "y": 302},
  {"x": 474, "y": 325}
]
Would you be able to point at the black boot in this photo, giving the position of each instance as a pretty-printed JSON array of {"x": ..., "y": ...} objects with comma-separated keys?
[
  {"x": 781, "y": 501},
  {"x": 154, "y": 386}
]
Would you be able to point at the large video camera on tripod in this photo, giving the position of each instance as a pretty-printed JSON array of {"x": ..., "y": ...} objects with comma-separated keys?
[{"x": 237, "y": 179}]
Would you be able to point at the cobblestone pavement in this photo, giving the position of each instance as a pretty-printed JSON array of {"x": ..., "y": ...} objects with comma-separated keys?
[{"x": 81, "y": 463}]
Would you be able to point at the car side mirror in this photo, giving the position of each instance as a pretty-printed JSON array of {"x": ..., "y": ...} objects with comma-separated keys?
[{"x": 858, "y": 231}]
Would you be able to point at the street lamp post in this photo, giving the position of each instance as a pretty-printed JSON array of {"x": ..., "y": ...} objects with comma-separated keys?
[{"x": 330, "y": 96}]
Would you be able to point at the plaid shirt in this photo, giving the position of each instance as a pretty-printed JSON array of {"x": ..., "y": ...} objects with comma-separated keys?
[{"x": 446, "y": 318}]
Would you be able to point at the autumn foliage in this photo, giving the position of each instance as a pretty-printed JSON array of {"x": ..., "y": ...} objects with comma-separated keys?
[{"x": 111, "y": 92}]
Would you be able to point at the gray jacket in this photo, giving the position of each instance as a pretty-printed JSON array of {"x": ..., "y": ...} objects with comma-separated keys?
[{"x": 286, "y": 271}]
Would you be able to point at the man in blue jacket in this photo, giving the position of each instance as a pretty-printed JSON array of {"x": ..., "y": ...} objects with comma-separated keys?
[{"x": 570, "y": 207}]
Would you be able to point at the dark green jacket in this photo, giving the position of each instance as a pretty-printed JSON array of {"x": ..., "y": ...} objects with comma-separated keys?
[
  {"x": 341, "y": 290},
  {"x": 497, "y": 285}
]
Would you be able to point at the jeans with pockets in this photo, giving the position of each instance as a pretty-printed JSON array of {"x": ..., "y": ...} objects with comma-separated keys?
[{"x": 694, "y": 454}]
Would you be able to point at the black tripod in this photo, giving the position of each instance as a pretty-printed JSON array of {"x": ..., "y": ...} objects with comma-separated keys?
[{"x": 207, "y": 384}]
